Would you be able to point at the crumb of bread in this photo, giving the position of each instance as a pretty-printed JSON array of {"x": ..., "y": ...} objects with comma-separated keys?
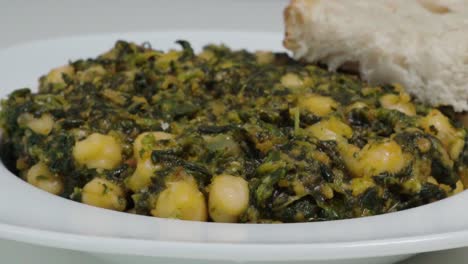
[{"x": 421, "y": 44}]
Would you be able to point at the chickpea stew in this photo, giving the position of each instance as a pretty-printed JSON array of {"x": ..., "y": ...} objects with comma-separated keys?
[{"x": 229, "y": 136}]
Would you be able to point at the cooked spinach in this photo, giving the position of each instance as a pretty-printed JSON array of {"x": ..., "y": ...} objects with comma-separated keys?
[{"x": 312, "y": 145}]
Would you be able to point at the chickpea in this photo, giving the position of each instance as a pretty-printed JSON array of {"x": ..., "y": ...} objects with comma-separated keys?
[
  {"x": 439, "y": 125},
  {"x": 400, "y": 103},
  {"x": 330, "y": 129},
  {"x": 228, "y": 198},
  {"x": 299, "y": 188},
  {"x": 264, "y": 57},
  {"x": 182, "y": 200},
  {"x": 98, "y": 151},
  {"x": 141, "y": 178},
  {"x": 383, "y": 157},
  {"x": 42, "y": 125},
  {"x": 55, "y": 75},
  {"x": 146, "y": 142},
  {"x": 291, "y": 81},
  {"x": 412, "y": 185},
  {"x": 350, "y": 155},
  {"x": 40, "y": 176},
  {"x": 317, "y": 104},
  {"x": 360, "y": 185},
  {"x": 374, "y": 158},
  {"x": 327, "y": 191},
  {"x": 105, "y": 194}
]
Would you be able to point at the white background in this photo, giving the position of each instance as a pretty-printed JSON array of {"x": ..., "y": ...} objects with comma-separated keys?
[{"x": 22, "y": 21}]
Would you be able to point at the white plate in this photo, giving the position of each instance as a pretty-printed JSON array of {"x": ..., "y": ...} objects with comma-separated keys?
[{"x": 30, "y": 215}]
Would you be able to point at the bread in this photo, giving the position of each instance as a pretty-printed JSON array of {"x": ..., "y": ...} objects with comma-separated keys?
[{"x": 421, "y": 44}]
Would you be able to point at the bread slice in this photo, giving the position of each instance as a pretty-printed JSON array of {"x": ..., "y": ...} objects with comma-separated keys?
[{"x": 421, "y": 44}]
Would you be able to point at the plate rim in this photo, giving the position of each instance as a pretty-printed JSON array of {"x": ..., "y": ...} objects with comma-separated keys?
[
  {"x": 295, "y": 251},
  {"x": 241, "y": 252}
]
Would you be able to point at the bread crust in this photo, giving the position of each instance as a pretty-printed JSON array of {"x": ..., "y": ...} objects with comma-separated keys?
[{"x": 294, "y": 21}]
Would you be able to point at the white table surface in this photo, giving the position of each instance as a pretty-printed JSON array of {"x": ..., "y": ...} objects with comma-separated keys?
[{"x": 22, "y": 21}]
